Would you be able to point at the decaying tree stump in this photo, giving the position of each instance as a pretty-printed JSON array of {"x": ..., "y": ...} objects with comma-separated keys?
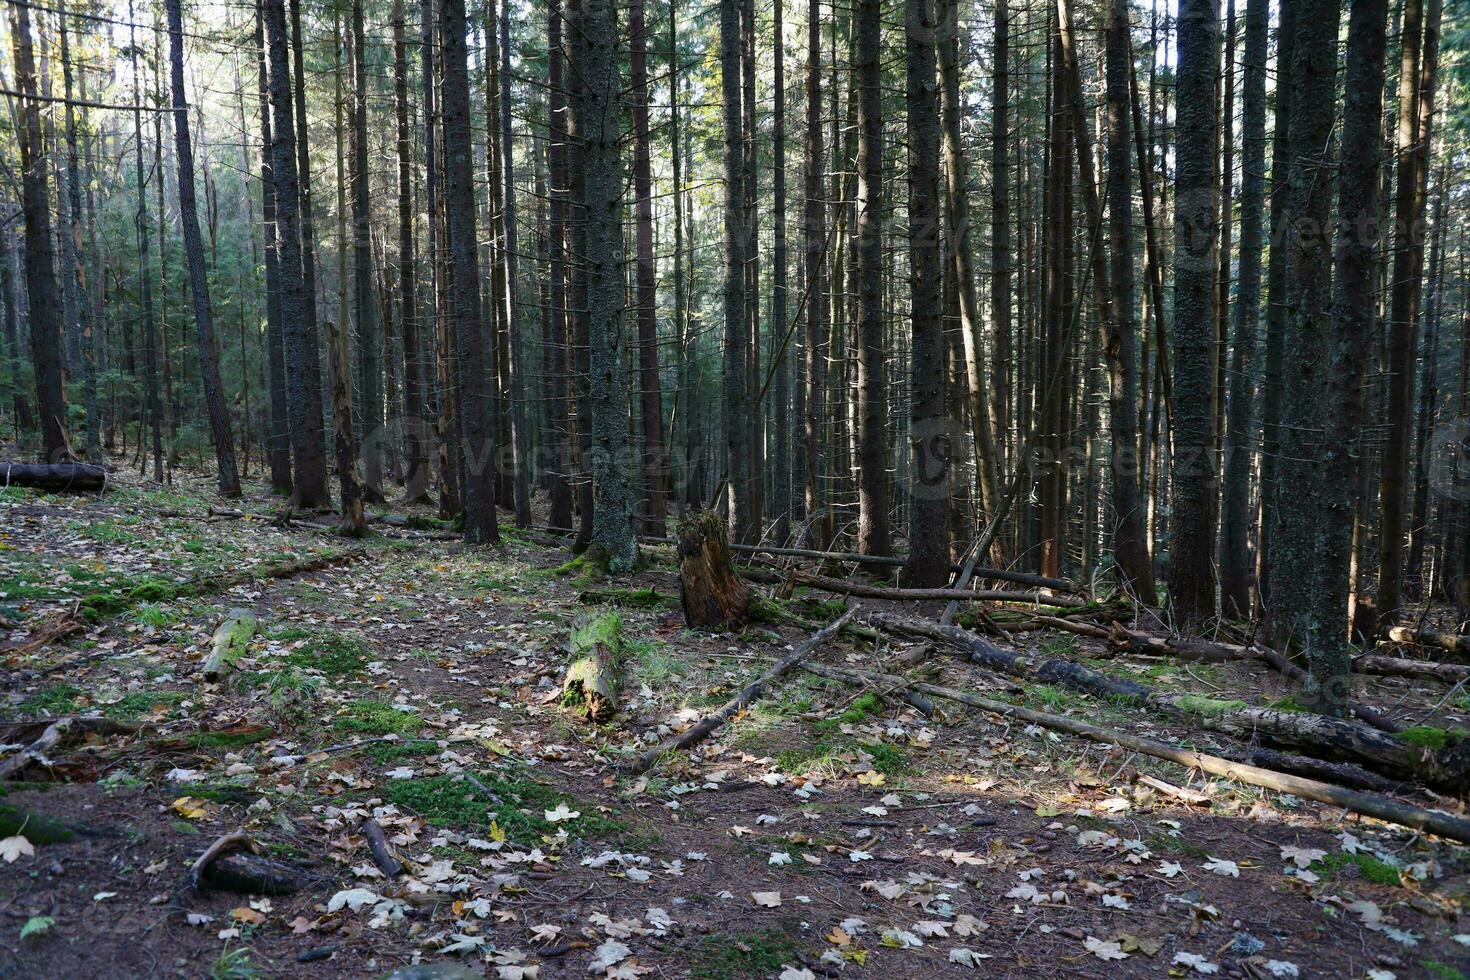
[
  {"x": 709, "y": 590},
  {"x": 591, "y": 683}
]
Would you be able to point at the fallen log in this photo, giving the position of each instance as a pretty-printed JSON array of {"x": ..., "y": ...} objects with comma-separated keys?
[
  {"x": 1368, "y": 804},
  {"x": 57, "y": 734},
  {"x": 1377, "y": 664},
  {"x": 252, "y": 874},
  {"x": 650, "y": 598},
  {"x": 709, "y": 590},
  {"x": 54, "y": 477},
  {"x": 753, "y": 691},
  {"x": 887, "y": 561},
  {"x": 839, "y": 586},
  {"x": 382, "y": 851},
  {"x": 230, "y": 640},
  {"x": 591, "y": 683},
  {"x": 235, "y": 840},
  {"x": 1342, "y": 773},
  {"x": 43, "y": 634},
  {"x": 1124, "y": 639},
  {"x": 1447, "y": 642},
  {"x": 1336, "y": 738}
]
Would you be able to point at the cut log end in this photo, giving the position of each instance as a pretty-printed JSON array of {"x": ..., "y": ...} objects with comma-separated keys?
[
  {"x": 709, "y": 590},
  {"x": 228, "y": 644},
  {"x": 592, "y": 680}
]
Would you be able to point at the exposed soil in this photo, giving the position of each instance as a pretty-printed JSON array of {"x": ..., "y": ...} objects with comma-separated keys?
[{"x": 827, "y": 821}]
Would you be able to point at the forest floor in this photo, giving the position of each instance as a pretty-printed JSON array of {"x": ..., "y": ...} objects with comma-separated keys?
[{"x": 828, "y": 831}]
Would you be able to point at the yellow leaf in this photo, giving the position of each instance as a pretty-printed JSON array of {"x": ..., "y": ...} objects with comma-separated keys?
[
  {"x": 872, "y": 779},
  {"x": 189, "y": 808},
  {"x": 497, "y": 833},
  {"x": 243, "y": 914}
]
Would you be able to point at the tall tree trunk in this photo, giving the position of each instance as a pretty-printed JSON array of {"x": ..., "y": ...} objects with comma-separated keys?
[
  {"x": 339, "y": 364},
  {"x": 1329, "y": 664},
  {"x": 558, "y": 405},
  {"x": 304, "y": 383},
  {"x": 41, "y": 291},
  {"x": 736, "y": 401},
  {"x": 929, "y": 449},
  {"x": 814, "y": 274},
  {"x": 1308, "y": 308},
  {"x": 478, "y": 490},
  {"x": 781, "y": 352},
  {"x": 984, "y": 416},
  {"x": 445, "y": 397},
  {"x": 415, "y": 429},
  {"x": 278, "y": 444},
  {"x": 612, "y": 540},
  {"x": 754, "y": 369},
  {"x": 1051, "y": 385},
  {"x": 214, "y": 393},
  {"x": 1002, "y": 262},
  {"x": 1196, "y": 235},
  {"x": 1417, "y": 73},
  {"x": 520, "y": 431},
  {"x": 369, "y": 327},
  {"x": 655, "y": 508},
  {"x": 73, "y": 249},
  {"x": 18, "y": 401},
  {"x": 1235, "y": 522},
  {"x": 1227, "y": 216},
  {"x": 872, "y": 434},
  {"x": 684, "y": 399},
  {"x": 1130, "y": 545},
  {"x": 152, "y": 407},
  {"x": 1428, "y": 389},
  {"x": 1271, "y": 431}
]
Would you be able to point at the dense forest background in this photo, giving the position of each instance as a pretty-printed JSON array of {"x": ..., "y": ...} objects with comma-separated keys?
[{"x": 1172, "y": 295}]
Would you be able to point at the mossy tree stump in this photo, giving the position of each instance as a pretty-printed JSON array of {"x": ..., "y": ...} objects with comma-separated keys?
[
  {"x": 591, "y": 683},
  {"x": 709, "y": 590}
]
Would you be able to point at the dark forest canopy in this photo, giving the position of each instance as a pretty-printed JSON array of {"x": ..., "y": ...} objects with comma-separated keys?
[{"x": 1167, "y": 296}]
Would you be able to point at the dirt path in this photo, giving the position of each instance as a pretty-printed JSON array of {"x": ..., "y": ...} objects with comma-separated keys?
[{"x": 829, "y": 831}]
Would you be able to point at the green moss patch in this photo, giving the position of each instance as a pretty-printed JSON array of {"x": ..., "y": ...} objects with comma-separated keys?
[
  {"x": 377, "y": 718},
  {"x": 137, "y": 703},
  {"x": 520, "y": 812},
  {"x": 1367, "y": 867},
  {"x": 865, "y": 706},
  {"x": 55, "y": 699},
  {"x": 1430, "y": 736},
  {"x": 1195, "y": 704},
  {"x": 331, "y": 653},
  {"x": 731, "y": 956},
  {"x": 830, "y": 755}
]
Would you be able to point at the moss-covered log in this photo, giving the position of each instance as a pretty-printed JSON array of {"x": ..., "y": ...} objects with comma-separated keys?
[
  {"x": 709, "y": 590},
  {"x": 592, "y": 679},
  {"x": 230, "y": 640}
]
